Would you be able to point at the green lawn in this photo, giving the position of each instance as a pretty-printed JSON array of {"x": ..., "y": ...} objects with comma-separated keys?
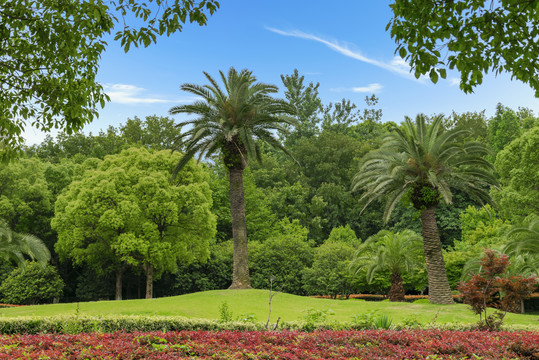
[{"x": 242, "y": 302}]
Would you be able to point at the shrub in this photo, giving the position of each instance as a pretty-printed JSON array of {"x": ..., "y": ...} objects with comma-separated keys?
[
  {"x": 110, "y": 324},
  {"x": 33, "y": 285},
  {"x": 489, "y": 289},
  {"x": 329, "y": 274},
  {"x": 370, "y": 344}
]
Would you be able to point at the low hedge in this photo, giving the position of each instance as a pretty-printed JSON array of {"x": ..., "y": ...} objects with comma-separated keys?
[{"x": 110, "y": 324}]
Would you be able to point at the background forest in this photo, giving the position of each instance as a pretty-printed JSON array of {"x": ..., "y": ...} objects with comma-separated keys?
[{"x": 304, "y": 223}]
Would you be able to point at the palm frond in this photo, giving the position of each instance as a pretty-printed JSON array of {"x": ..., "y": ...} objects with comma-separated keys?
[
  {"x": 419, "y": 154},
  {"x": 241, "y": 115}
]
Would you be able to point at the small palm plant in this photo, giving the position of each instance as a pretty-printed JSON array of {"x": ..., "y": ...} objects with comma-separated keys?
[
  {"x": 425, "y": 162},
  {"x": 523, "y": 245},
  {"x": 397, "y": 253},
  {"x": 233, "y": 123},
  {"x": 524, "y": 238},
  {"x": 13, "y": 246}
]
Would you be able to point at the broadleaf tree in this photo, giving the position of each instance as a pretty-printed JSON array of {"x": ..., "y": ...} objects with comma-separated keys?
[
  {"x": 126, "y": 212},
  {"x": 50, "y": 51}
]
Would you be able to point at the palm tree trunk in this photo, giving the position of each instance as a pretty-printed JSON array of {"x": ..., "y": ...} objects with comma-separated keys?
[
  {"x": 240, "y": 277},
  {"x": 396, "y": 293},
  {"x": 439, "y": 290}
]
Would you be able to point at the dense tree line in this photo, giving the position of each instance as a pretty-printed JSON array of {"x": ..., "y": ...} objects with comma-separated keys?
[{"x": 304, "y": 221}]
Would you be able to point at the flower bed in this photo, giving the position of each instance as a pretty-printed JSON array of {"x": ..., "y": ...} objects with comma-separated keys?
[
  {"x": 275, "y": 345},
  {"x": 10, "y": 305},
  {"x": 377, "y": 297}
]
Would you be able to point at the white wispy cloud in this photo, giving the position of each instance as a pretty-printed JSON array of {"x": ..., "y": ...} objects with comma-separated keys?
[
  {"x": 371, "y": 88},
  {"x": 454, "y": 81},
  {"x": 131, "y": 94},
  {"x": 397, "y": 65}
]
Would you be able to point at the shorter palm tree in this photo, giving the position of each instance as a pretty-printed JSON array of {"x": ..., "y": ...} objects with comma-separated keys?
[
  {"x": 13, "y": 246},
  {"x": 397, "y": 253}
]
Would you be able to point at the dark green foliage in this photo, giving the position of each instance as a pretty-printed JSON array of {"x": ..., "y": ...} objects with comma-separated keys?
[
  {"x": 154, "y": 132},
  {"x": 91, "y": 286},
  {"x": 474, "y": 122},
  {"x": 307, "y": 105},
  {"x": 33, "y": 285},
  {"x": 504, "y": 127},
  {"x": 329, "y": 274},
  {"x": 26, "y": 201},
  {"x": 518, "y": 166},
  {"x": 216, "y": 273},
  {"x": 284, "y": 256}
]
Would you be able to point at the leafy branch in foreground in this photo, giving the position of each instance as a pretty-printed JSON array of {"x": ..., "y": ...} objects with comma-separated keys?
[
  {"x": 49, "y": 54},
  {"x": 470, "y": 36}
]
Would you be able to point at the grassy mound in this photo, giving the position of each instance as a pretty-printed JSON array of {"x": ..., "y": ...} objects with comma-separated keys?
[{"x": 254, "y": 304}]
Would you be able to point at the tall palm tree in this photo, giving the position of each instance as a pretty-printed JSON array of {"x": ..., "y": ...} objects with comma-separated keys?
[
  {"x": 233, "y": 122},
  {"x": 398, "y": 253},
  {"x": 424, "y": 163},
  {"x": 13, "y": 246}
]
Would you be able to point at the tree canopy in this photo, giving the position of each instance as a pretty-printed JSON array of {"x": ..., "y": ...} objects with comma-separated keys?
[
  {"x": 125, "y": 212},
  {"x": 518, "y": 166}
]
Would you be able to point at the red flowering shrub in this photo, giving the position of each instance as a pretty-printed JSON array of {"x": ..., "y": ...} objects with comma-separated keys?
[
  {"x": 368, "y": 344},
  {"x": 489, "y": 289}
]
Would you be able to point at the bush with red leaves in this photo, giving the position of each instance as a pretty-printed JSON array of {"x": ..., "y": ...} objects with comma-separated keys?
[
  {"x": 490, "y": 289},
  {"x": 369, "y": 344}
]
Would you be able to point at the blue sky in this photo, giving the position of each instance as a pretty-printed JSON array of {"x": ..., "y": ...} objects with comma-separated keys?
[{"x": 342, "y": 45}]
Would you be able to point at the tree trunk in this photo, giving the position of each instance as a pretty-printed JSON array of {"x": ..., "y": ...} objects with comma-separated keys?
[
  {"x": 119, "y": 276},
  {"x": 439, "y": 290},
  {"x": 396, "y": 293},
  {"x": 240, "y": 278},
  {"x": 149, "y": 281}
]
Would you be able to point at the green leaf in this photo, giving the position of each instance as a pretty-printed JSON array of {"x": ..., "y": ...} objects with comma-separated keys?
[
  {"x": 443, "y": 73},
  {"x": 402, "y": 52},
  {"x": 433, "y": 76}
]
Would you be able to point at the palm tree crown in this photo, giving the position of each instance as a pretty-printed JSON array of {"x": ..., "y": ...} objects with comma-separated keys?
[
  {"x": 425, "y": 162},
  {"x": 397, "y": 253},
  {"x": 231, "y": 121}
]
